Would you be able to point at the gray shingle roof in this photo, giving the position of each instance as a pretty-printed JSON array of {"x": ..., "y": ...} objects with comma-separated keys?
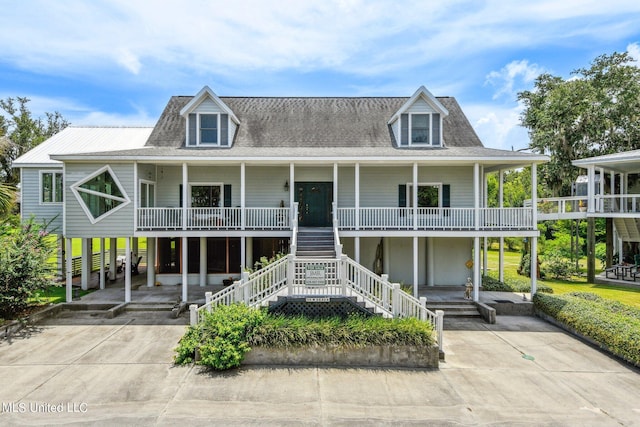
[{"x": 312, "y": 122}]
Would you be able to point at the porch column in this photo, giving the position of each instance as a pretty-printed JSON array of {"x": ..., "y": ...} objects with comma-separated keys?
[
  {"x": 292, "y": 184},
  {"x": 476, "y": 269},
  {"x": 203, "y": 261},
  {"x": 185, "y": 270},
  {"x": 357, "y": 214},
  {"x": 591, "y": 237},
  {"x": 243, "y": 184},
  {"x": 430, "y": 262},
  {"x": 534, "y": 195},
  {"x": 601, "y": 192},
  {"x": 356, "y": 249},
  {"x": 476, "y": 201},
  {"x": 127, "y": 271},
  {"x": 151, "y": 261},
  {"x": 591, "y": 190},
  {"x": 335, "y": 190},
  {"x": 87, "y": 258},
  {"x": 534, "y": 265},
  {"x": 414, "y": 197},
  {"x": 185, "y": 194},
  {"x": 101, "y": 278},
  {"x": 485, "y": 204},
  {"x": 136, "y": 203},
  {"x": 69, "y": 272},
  {"x": 243, "y": 252},
  {"x": 501, "y": 248},
  {"x": 415, "y": 265},
  {"x": 113, "y": 254},
  {"x": 249, "y": 252}
]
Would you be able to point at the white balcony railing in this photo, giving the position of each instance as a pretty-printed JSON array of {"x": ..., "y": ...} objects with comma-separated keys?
[
  {"x": 578, "y": 206},
  {"x": 213, "y": 218},
  {"x": 435, "y": 218}
]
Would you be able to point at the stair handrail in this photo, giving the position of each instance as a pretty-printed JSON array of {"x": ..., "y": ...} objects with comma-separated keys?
[
  {"x": 336, "y": 236},
  {"x": 294, "y": 229},
  {"x": 252, "y": 289}
]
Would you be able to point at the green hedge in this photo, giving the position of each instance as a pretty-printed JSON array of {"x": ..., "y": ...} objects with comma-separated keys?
[
  {"x": 615, "y": 326},
  {"x": 491, "y": 284},
  {"x": 226, "y": 335}
]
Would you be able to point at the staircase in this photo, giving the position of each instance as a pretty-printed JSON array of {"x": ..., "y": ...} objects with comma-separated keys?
[
  {"x": 316, "y": 242},
  {"x": 628, "y": 229},
  {"x": 455, "y": 309}
]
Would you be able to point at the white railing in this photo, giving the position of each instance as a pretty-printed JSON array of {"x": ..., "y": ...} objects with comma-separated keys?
[
  {"x": 336, "y": 235},
  {"x": 292, "y": 276},
  {"x": 213, "y": 218},
  {"x": 435, "y": 218},
  {"x": 577, "y": 206}
]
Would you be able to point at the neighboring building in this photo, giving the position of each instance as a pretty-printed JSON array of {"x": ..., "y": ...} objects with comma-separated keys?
[{"x": 221, "y": 181}]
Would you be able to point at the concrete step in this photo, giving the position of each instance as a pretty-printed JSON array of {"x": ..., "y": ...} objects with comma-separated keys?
[{"x": 149, "y": 307}]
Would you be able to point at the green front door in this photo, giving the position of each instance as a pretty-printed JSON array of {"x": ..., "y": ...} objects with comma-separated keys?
[{"x": 314, "y": 203}]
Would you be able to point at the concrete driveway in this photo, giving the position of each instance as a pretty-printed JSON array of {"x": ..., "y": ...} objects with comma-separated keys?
[{"x": 119, "y": 372}]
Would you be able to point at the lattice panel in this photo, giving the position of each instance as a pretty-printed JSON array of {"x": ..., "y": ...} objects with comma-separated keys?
[{"x": 340, "y": 307}]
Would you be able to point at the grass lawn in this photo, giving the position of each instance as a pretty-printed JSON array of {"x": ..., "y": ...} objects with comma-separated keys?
[
  {"x": 53, "y": 295},
  {"x": 576, "y": 284},
  {"x": 76, "y": 245}
]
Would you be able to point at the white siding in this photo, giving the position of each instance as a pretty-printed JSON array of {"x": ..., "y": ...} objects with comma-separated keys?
[
  {"x": 168, "y": 186},
  {"x": 208, "y": 106},
  {"x": 265, "y": 186},
  {"x": 346, "y": 186},
  {"x": 420, "y": 106},
  {"x": 449, "y": 258},
  {"x": 31, "y": 205},
  {"x": 118, "y": 224},
  {"x": 315, "y": 174}
]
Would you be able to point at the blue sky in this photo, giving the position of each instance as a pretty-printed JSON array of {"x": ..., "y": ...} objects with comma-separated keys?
[{"x": 118, "y": 62}]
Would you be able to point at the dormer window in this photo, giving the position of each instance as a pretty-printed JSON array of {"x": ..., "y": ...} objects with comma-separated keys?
[
  {"x": 208, "y": 129},
  {"x": 422, "y": 129}
]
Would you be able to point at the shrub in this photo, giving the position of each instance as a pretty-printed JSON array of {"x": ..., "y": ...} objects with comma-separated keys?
[
  {"x": 227, "y": 334},
  {"x": 557, "y": 265},
  {"x": 221, "y": 337},
  {"x": 492, "y": 284},
  {"x": 24, "y": 267},
  {"x": 615, "y": 326}
]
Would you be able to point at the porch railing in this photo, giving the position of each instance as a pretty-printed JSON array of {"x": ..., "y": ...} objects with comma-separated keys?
[
  {"x": 578, "y": 206},
  {"x": 340, "y": 277},
  {"x": 213, "y": 218},
  {"x": 435, "y": 218}
]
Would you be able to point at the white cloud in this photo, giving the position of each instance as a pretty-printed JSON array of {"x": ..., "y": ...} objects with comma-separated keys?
[
  {"x": 513, "y": 78},
  {"x": 350, "y": 36},
  {"x": 498, "y": 127},
  {"x": 634, "y": 50}
]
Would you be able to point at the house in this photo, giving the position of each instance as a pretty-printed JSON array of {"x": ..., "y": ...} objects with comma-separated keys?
[
  {"x": 609, "y": 189},
  {"x": 397, "y": 184}
]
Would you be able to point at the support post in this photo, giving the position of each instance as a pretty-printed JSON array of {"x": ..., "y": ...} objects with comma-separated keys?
[
  {"x": 69, "y": 272},
  {"x": 243, "y": 204},
  {"x": 203, "y": 261},
  {"x": 193, "y": 314},
  {"x": 151, "y": 261},
  {"x": 290, "y": 273},
  {"x": 113, "y": 254},
  {"x": 476, "y": 197},
  {"x": 423, "y": 304},
  {"x": 357, "y": 199},
  {"x": 591, "y": 252},
  {"x": 476, "y": 269},
  {"x": 415, "y": 266},
  {"x": 101, "y": 279},
  {"x": 395, "y": 301},
  {"x": 414, "y": 197},
  {"x": 208, "y": 296},
  {"x": 87, "y": 261},
  {"x": 343, "y": 274},
  {"x": 185, "y": 194},
  {"x": 439, "y": 328},
  {"x": 533, "y": 265},
  {"x": 127, "y": 271},
  {"x": 185, "y": 270},
  {"x": 385, "y": 290},
  {"x": 356, "y": 249}
]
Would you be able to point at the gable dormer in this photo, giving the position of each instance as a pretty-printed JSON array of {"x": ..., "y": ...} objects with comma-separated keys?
[
  {"x": 418, "y": 123},
  {"x": 209, "y": 121}
]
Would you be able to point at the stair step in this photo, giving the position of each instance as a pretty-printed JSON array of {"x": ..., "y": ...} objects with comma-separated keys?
[{"x": 149, "y": 307}]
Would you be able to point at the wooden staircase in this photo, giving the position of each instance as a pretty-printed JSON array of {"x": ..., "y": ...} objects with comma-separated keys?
[{"x": 316, "y": 242}]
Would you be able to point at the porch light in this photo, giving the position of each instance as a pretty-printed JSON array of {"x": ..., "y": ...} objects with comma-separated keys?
[{"x": 286, "y": 185}]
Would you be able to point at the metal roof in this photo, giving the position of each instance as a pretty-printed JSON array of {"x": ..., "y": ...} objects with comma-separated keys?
[{"x": 77, "y": 140}]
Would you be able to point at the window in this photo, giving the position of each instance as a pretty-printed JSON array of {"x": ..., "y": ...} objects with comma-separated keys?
[
  {"x": 100, "y": 194},
  {"x": 420, "y": 129},
  {"x": 206, "y": 195},
  {"x": 147, "y": 194},
  {"x": 208, "y": 129},
  {"x": 51, "y": 187},
  {"x": 429, "y": 195}
]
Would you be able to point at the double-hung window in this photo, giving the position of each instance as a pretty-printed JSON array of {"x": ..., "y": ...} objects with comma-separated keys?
[
  {"x": 208, "y": 129},
  {"x": 420, "y": 129},
  {"x": 51, "y": 187},
  {"x": 429, "y": 195}
]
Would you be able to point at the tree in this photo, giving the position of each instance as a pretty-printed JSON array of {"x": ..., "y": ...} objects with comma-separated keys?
[
  {"x": 593, "y": 113},
  {"x": 21, "y": 132},
  {"x": 7, "y": 198}
]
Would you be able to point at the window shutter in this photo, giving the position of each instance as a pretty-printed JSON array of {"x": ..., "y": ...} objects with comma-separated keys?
[
  {"x": 227, "y": 195},
  {"x": 193, "y": 130},
  {"x": 402, "y": 196},
  {"x": 180, "y": 195},
  {"x": 435, "y": 136},
  {"x": 404, "y": 129},
  {"x": 446, "y": 196},
  {"x": 224, "y": 130}
]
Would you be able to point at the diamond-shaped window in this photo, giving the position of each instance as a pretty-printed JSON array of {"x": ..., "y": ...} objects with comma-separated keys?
[{"x": 100, "y": 194}]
